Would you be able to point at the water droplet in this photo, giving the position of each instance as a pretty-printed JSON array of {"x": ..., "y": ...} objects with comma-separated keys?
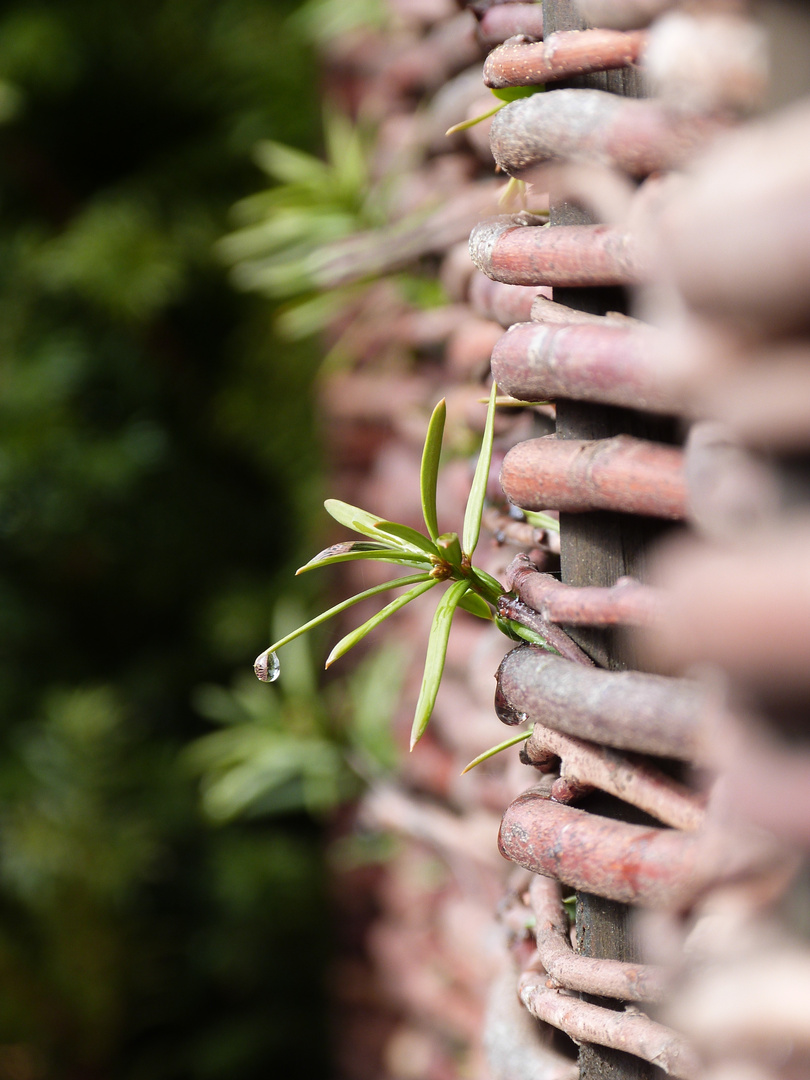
[
  {"x": 267, "y": 667},
  {"x": 504, "y": 710}
]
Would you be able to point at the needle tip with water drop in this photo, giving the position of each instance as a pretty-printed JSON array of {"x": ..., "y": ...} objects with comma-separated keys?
[{"x": 266, "y": 666}]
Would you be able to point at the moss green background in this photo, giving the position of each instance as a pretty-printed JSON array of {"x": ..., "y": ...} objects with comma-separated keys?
[{"x": 157, "y": 476}]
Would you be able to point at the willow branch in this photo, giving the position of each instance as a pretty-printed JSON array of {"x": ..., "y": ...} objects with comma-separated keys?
[
  {"x": 585, "y": 766},
  {"x": 524, "y": 253},
  {"x": 568, "y": 970},
  {"x": 632, "y": 1032},
  {"x": 633, "y": 476},
  {"x": 560, "y": 56},
  {"x": 627, "y": 603},
  {"x": 628, "y": 710},
  {"x": 610, "y": 364}
]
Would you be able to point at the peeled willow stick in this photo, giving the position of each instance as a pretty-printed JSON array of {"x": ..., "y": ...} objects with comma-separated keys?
[
  {"x": 630, "y": 475},
  {"x": 561, "y": 55},
  {"x": 568, "y": 970},
  {"x": 508, "y": 250},
  {"x": 627, "y": 603},
  {"x": 502, "y": 303},
  {"x": 607, "y": 363},
  {"x": 632, "y": 1032},
  {"x": 633, "y": 864},
  {"x": 629, "y": 710},
  {"x": 637, "y": 136},
  {"x": 585, "y": 766}
]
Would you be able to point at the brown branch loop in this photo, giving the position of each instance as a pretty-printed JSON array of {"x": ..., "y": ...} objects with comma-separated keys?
[
  {"x": 627, "y": 603},
  {"x": 568, "y": 970}
]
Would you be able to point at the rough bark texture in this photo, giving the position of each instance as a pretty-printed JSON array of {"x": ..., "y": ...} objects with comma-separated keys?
[
  {"x": 633, "y": 864},
  {"x": 584, "y": 255},
  {"x": 584, "y": 766},
  {"x": 607, "y": 363},
  {"x": 633, "y": 1033},
  {"x": 628, "y": 710},
  {"x": 555, "y": 638},
  {"x": 637, "y": 137},
  {"x": 569, "y": 971},
  {"x": 570, "y": 52},
  {"x": 629, "y": 475},
  {"x": 627, "y": 603}
]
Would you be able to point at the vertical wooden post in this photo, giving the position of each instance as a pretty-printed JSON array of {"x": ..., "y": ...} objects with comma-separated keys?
[{"x": 597, "y": 549}]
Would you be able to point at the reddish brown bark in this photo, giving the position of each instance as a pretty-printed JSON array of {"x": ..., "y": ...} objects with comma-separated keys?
[
  {"x": 628, "y": 710},
  {"x": 585, "y": 766},
  {"x": 627, "y": 603},
  {"x": 633, "y": 864},
  {"x": 508, "y": 250},
  {"x": 607, "y": 363},
  {"x": 625, "y": 474},
  {"x": 570, "y": 971},
  {"x": 632, "y": 1032},
  {"x": 504, "y": 304},
  {"x": 560, "y": 56},
  {"x": 638, "y": 137}
]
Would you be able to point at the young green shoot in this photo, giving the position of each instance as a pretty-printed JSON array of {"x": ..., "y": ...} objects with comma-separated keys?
[
  {"x": 505, "y": 95},
  {"x": 432, "y": 559},
  {"x": 493, "y": 750}
]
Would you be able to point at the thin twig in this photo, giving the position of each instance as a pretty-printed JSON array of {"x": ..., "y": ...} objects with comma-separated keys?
[
  {"x": 627, "y": 603},
  {"x": 511, "y": 608},
  {"x": 508, "y": 530},
  {"x": 579, "y": 255},
  {"x": 504, "y": 21},
  {"x": 633, "y": 476},
  {"x": 585, "y": 766},
  {"x": 561, "y": 55},
  {"x": 630, "y": 1031},
  {"x": 609, "y": 363},
  {"x": 568, "y": 970},
  {"x": 638, "y": 137},
  {"x": 502, "y": 303},
  {"x": 633, "y": 864}
]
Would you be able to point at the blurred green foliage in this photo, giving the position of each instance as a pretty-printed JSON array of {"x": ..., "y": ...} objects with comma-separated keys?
[
  {"x": 157, "y": 469},
  {"x": 296, "y": 743}
]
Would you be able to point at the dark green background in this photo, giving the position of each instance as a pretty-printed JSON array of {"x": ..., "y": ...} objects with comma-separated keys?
[{"x": 157, "y": 477}]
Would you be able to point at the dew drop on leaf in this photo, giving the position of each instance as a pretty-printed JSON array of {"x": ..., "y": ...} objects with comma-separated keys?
[{"x": 267, "y": 667}]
